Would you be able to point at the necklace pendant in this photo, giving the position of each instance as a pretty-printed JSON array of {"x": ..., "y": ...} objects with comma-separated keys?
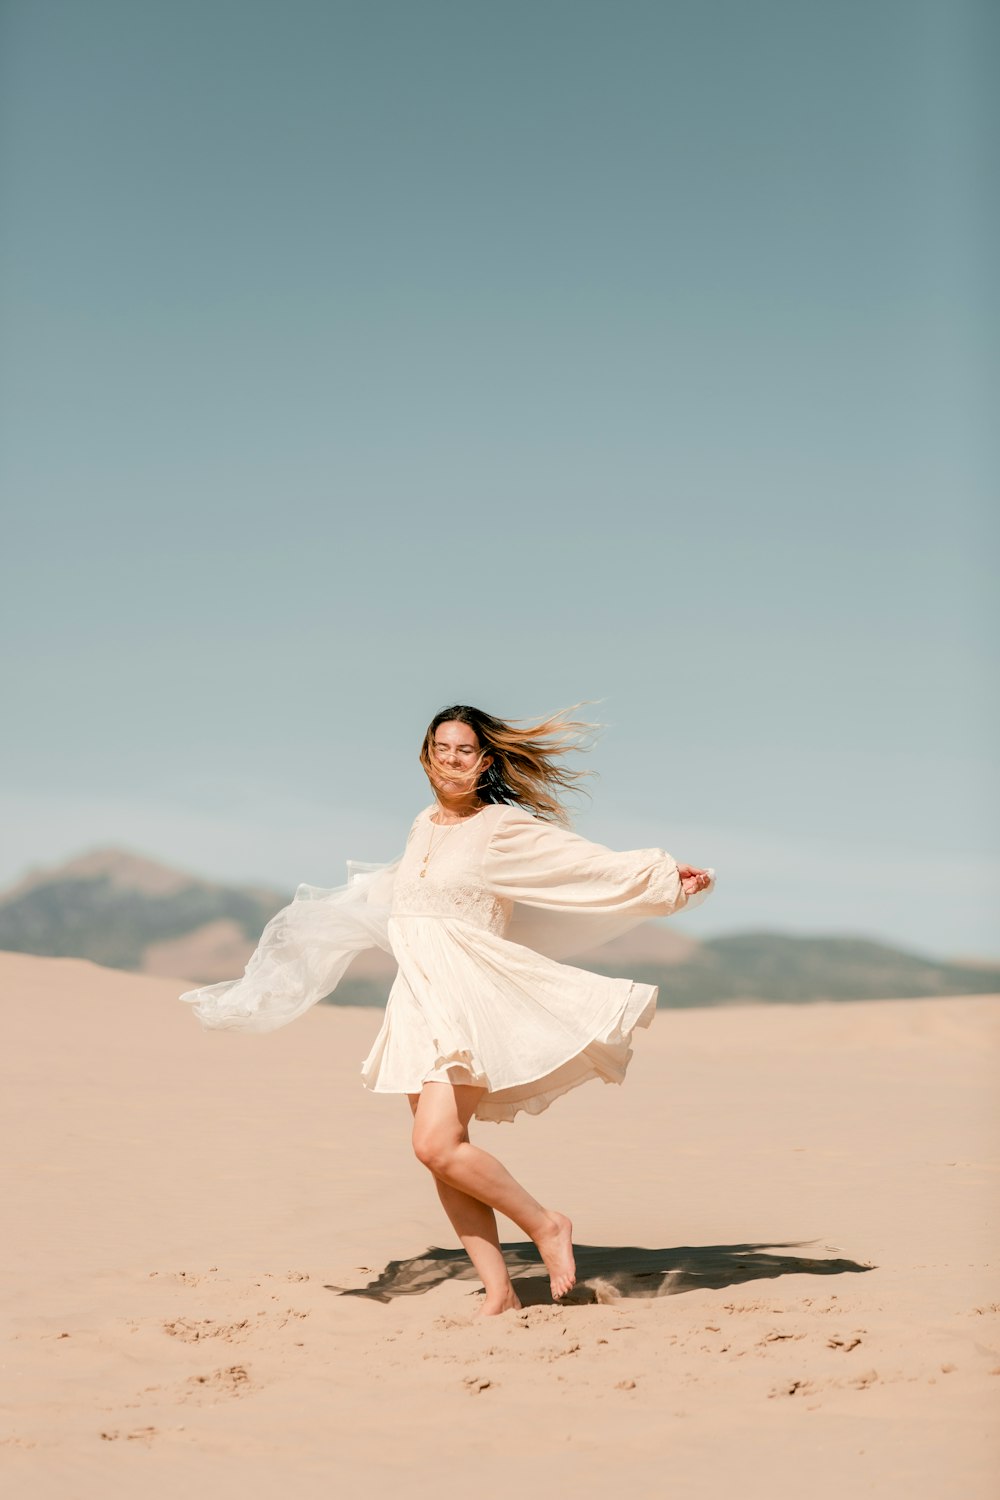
[{"x": 422, "y": 874}]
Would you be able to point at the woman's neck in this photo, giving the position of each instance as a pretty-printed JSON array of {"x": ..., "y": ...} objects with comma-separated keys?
[{"x": 455, "y": 809}]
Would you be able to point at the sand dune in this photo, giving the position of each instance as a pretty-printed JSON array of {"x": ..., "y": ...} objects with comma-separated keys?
[{"x": 225, "y": 1271}]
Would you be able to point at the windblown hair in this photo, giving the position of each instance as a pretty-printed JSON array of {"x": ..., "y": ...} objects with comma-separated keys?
[{"x": 526, "y": 767}]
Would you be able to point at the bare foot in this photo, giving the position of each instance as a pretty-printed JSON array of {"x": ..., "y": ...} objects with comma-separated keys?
[
  {"x": 556, "y": 1248},
  {"x": 500, "y": 1302}
]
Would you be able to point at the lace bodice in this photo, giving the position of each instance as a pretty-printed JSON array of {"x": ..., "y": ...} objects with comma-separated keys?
[
  {"x": 451, "y": 884},
  {"x": 461, "y": 899}
]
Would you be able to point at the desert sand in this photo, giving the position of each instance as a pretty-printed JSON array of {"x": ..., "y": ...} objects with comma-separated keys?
[{"x": 224, "y": 1269}]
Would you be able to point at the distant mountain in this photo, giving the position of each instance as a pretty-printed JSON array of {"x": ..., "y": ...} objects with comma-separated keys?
[
  {"x": 127, "y": 912},
  {"x": 786, "y": 970}
]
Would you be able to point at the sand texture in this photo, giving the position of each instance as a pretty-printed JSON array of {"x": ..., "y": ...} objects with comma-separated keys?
[{"x": 222, "y": 1268}]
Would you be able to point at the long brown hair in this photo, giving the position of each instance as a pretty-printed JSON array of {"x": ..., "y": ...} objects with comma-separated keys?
[{"x": 526, "y": 767}]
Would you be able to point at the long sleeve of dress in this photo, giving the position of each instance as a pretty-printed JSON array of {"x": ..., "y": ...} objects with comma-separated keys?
[
  {"x": 533, "y": 861},
  {"x": 583, "y": 894}
]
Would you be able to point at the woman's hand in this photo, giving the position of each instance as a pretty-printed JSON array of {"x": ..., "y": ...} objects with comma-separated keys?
[{"x": 693, "y": 880}]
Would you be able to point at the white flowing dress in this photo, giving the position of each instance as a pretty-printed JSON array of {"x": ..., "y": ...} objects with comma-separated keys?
[{"x": 477, "y": 915}]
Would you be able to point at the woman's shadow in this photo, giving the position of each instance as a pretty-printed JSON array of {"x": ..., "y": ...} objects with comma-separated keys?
[{"x": 607, "y": 1272}]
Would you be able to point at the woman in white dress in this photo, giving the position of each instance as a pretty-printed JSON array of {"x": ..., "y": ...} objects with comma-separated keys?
[{"x": 482, "y": 1019}]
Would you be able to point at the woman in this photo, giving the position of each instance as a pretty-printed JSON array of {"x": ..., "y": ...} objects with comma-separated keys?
[{"x": 491, "y": 891}]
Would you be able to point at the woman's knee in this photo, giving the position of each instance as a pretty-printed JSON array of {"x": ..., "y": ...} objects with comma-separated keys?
[{"x": 433, "y": 1147}]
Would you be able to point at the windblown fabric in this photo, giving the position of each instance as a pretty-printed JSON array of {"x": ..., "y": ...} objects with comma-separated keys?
[{"x": 478, "y": 915}]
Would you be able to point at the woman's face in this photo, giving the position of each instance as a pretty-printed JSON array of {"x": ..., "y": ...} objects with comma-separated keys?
[{"x": 455, "y": 759}]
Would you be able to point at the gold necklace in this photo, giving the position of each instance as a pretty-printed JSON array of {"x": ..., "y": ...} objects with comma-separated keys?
[{"x": 431, "y": 846}]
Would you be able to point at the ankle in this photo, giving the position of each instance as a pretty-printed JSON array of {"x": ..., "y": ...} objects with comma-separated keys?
[{"x": 503, "y": 1299}]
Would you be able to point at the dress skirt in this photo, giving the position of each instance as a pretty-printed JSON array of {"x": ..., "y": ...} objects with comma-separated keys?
[{"x": 469, "y": 1006}]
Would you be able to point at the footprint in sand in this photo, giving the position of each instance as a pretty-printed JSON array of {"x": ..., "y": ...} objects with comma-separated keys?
[
  {"x": 846, "y": 1345},
  {"x": 530, "y": 1317},
  {"x": 552, "y": 1354},
  {"x": 231, "y": 1380},
  {"x": 814, "y": 1388},
  {"x": 191, "y": 1330},
  {"x": 793, "y": 1388}
]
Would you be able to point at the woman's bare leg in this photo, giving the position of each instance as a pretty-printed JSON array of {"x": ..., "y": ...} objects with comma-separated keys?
[
  {"x": 441, "y": 1141},
  {"x": 476, "y": 1226}
]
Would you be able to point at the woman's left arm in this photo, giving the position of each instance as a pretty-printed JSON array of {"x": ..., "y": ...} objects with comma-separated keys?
[{"x": 533, "y": 861}]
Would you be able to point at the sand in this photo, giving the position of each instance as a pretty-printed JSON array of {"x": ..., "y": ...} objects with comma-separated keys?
[{"x": 786, "y": 1229}]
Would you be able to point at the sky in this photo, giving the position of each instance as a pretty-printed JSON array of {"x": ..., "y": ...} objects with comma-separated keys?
[{"x": 363, "y": 358}]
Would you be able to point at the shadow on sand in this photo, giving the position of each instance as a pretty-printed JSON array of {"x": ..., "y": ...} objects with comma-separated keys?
[{"x": 607, "y": 1272}]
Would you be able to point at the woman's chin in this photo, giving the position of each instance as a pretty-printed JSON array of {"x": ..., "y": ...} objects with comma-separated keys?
[{"x": 453, "y": 793}]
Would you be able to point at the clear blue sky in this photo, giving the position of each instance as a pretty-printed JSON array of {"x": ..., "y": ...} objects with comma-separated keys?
[{"x": 364, "y": 357}]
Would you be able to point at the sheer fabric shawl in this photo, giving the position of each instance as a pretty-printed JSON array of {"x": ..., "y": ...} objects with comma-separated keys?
[{"x": 303, "y": 953}]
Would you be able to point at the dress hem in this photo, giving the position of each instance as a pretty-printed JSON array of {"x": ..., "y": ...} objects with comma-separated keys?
[{"x": 620, "y": 1035}]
